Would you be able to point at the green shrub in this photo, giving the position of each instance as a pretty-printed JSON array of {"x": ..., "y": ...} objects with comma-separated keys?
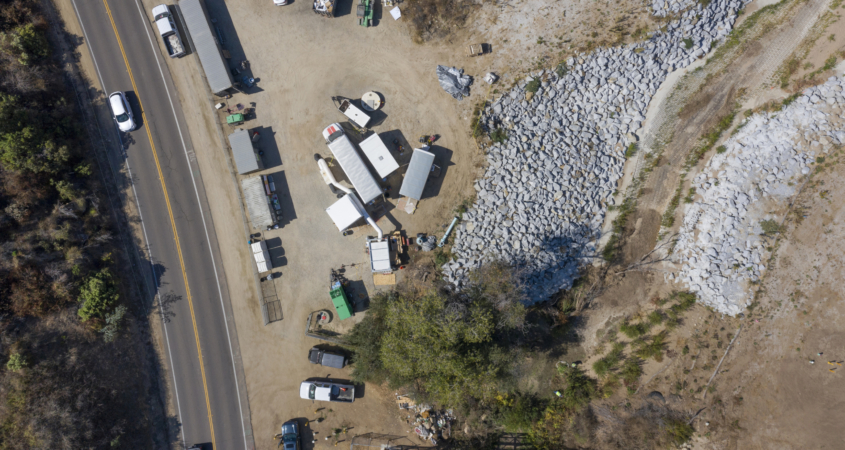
[
  {"x": 634, "y": 331},
  {"x": 113, "y": 321},
  {"x": 561, "y": 70},
  {"x": 631, "y": 150},
  {"x": 519, "y": 413},
  {"x": 631, "y": 371},
  {"x": 533, "y": 86},
  {"x": 655, "y": 318},
  {"x": 680, "y": 431},
  {"x": 16, "y": 362},
  {"x": 770, "y": 227},
  {"x": 65, "y": 190},
  {"x": 653, "y": 348},
  {"x": 721, "y": 149},
  {"x": 688, "y": 43},
  {"x": 499, "y": 135},
  {"x": 97, "y": 295}
]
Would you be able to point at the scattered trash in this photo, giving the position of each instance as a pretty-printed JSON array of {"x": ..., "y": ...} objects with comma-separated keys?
[
  {"x": 490, "y": 78},
  {"x": 453, "y": 81},
  {"x": 428, "y": 423},
  {"x": 426, "y": 243}
]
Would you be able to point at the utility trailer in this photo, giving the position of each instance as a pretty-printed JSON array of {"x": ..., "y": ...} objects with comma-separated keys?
[
  {"x": 356, "y": 116},
  {"x": 324, "y": 8}
]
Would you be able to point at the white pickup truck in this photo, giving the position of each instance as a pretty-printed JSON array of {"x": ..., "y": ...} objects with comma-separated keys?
[
  {"x": 327, "y": 392},
  {"x": 167, "y": 30}
]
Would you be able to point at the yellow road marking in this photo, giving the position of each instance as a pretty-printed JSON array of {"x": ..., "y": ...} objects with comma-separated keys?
[{"x": 172, "y": 221}]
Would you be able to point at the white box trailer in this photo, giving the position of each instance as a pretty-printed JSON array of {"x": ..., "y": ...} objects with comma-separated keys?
[
  {"x": 379, "y": 155},
  {"x": 417, "y": 173},
  {"x": 262, "y": 256},
  {"x": 346, "y": 211},
  {"x": 351, "y": 163}
]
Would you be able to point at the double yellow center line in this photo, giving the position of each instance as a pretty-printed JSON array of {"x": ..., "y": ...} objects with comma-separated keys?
[{"x": 172, "y": 221}]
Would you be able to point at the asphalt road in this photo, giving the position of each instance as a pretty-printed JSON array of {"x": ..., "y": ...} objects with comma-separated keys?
[{"x": 178, "y": 231}]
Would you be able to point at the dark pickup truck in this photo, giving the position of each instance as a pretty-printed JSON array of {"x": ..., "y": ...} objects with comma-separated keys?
[{"x": 317, "y": 356}]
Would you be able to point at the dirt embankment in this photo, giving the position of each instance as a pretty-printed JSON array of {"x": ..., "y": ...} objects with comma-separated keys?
[{"x": 766, "y": 393}]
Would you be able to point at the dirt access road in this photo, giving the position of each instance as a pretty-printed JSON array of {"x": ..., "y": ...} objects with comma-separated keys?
[{"x": 301, "y": 60}]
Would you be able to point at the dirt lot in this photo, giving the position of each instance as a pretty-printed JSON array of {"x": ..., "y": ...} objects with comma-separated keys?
[{"x": 301, "y": 60}]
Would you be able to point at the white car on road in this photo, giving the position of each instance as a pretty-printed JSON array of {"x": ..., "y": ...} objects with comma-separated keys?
[{"x": 122, "y": 111}]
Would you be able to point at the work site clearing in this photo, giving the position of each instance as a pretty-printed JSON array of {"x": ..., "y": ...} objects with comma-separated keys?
[{"x": 659, "y": 180}]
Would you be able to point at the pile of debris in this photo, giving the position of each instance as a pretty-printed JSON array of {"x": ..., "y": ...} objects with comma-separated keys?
[
  {"x": 722, "y": 245},
  {"x": 543, "y": 198},
  {"x": 428, "y": 423}
]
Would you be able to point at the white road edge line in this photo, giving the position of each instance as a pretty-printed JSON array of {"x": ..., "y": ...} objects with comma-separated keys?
[
  {"x": 156, "y": 54},
  {"x": 143, "y": 227}
]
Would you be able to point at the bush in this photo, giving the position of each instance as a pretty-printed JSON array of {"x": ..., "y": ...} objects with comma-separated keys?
[
  {"x": 634, "y": 331},
  {"x": 688, "y": 43},
  {"x": 631, "y": 370},
  {"x": 655, "y": 318},
  {"x": 499, "y": 135},
  {"x": 97, "y": 295},
  {"x": 770, "y": 227},
  {"x": 65, "y": 190},
  {"x": 653, "y": 348},
  {"x": 631, "y": 150},
  {"x": 16, "y": 362},
  {"x": 721, "y": 149},
  {"x": 518, "y": 413},
  {"x": 680, "y": 431},
  {"x": 113, "y": 321},
  {"x": 533, "y": 86}
]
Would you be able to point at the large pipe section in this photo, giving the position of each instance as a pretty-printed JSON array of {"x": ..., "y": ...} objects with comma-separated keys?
[{"x": 328, "y": 177}]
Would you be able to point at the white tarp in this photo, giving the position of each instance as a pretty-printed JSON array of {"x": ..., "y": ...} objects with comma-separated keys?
[
  {"x": 345, "y": 211},
  {"x": 355, "y": 169},
  {"x": 262, "y": 256},
  {"x": 379, "y": 155},
  {"x": 395, "y": 13}
]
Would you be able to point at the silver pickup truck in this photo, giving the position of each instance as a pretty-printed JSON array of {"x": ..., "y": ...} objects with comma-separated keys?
[{"x": 167, "y": 29}]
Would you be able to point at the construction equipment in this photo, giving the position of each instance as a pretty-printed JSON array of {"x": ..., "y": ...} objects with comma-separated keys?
[{"x": 365, "y": 13}]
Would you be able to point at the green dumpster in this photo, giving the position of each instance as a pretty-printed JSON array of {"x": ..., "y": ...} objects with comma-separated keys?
[
  {"x": 235, "y": 119},
  {"x": 341, "y": 303}
]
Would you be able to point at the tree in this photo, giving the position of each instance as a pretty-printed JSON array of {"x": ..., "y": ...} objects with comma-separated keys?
[
  {"x": 97, "y": 295},
  {"x": 28, "y": 43},
  {"x": 445, "y": 345},
  {"x": 113, "y": 321},
  {"x": 16, "y": 362}
]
